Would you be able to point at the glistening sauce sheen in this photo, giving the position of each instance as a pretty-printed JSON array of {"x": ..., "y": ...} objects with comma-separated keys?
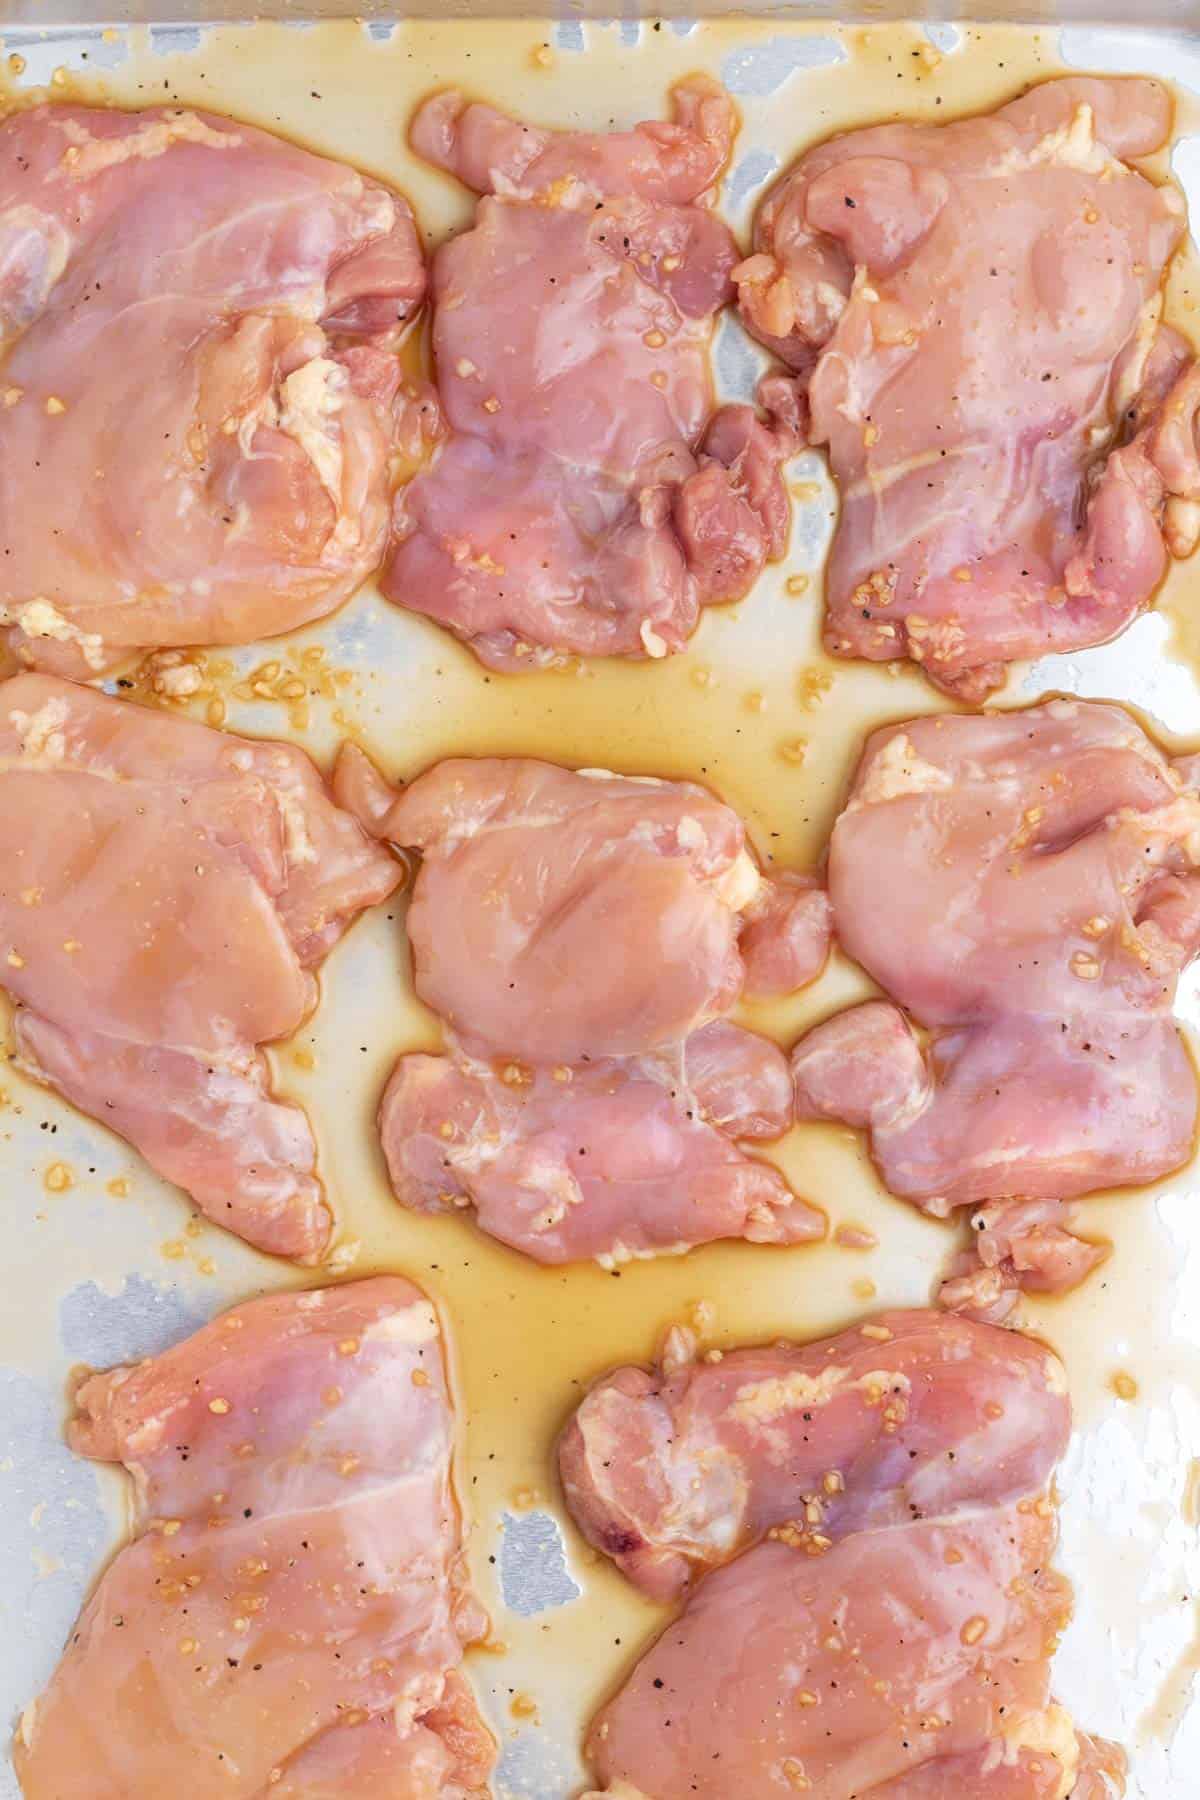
[{"x": 758, "y": 711}]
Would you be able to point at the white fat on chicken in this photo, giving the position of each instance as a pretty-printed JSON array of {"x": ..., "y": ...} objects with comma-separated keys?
[
  {"x": 305, "y": 409},
  {"x": 1132, "y": 370},
  {"x": 43, "y": 741},
  {"x": 40, "y": 619},
  {"x": 88, "y": 155},
  {"x": 416, "y": 1324},
  {"x": 740, "y": 884},
  {"x": 312, "y": 398},
  {"x": 1049, "y": 1733},
  {"x": 760, "y": 1400},
  {"x": 297, "y": 839},
  {"x": 1072, "y": 146},
  {"x": 898, "y": 770}
]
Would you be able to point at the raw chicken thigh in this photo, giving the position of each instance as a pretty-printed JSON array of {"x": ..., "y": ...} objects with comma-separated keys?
[
  {"x": 613, "y": 1158},
  {"x": 878, "y": 1514},
  {"x": 289, "y": 1618},
  {"x": 579, "y": 935},
  {"x": 561, "y": 914},
  {"x": 167, "y": 892},
  {"x": 239, "y": 486},
  {"x": 588, "y": 500},
  {"x": 1055, "y": 850},
  {"x": 970, "y": 313}
]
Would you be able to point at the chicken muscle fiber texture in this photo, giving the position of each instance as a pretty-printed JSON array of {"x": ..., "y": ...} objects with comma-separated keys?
[
  {"x": 288, "y": 1620},
  {"x": 880, "y": 1614},
  {"x": 167, "y": 892},
  {"x": 239, "y": 486},
  {"x": 580, "y": 935},
  {"x": 1056, "y": 849},
  {"x": 588, "y": 500},
  {"x": 971, "y": 317}
]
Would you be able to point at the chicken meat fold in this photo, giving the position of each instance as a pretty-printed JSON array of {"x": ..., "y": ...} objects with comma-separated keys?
[
  {"x": 1056, "y": 851},
  {"x": 1012, "y": 430},
  {"x": 878, "y": 1515},
  {"x": 588, "y": 500},
  {"x": 168, "y": 892},
  {"x": 580, "y": 934},
  {"x": 290, "y": 1615},
  {"x": 240, "y": 485}
]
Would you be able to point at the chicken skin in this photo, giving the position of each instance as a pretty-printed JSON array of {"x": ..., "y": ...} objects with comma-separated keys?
[
  {"x": 167, "y": 893},
  {"x": 1012, "y": 430},
  {"x": 1057, "y": 850},
  {"x": 580, "y": 935},
  {"x": 588, "y": 500},
  {"x": 239, "y": 486},
  {"x": 881, "y": 1613},
  {"x": 290, "y": 1614}
]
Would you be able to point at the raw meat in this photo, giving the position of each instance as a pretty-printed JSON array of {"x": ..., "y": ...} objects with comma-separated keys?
[
  {"x": 1030, "y": 1246},
  {"x": 612, "y": 1158},
  {"x": 167, "y": 891},
  {"x": 674, "y": 1472},
  {"x": 587, "y": 501},
  {"x": 1092, "y": 1770},
  {"x": 971, "y": 317},
  {"x": 1056, "y": 850},
  {"x": 579, "y": 935},
  {"x": 785, "y": 940},
  {"x": 289, "y": 1617},
  {"x": 562, "y": 914},
  {"x": 239, "y": 486},
  {"x": 878, "y": 1515}
]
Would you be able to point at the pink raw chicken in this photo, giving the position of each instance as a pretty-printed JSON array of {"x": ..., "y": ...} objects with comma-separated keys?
[
  {"x": 971, "y": 313},
  {"x": 289, "y": 1618},
  {"x": 167, "y": 892},
  {"x": 579, "y": 935},
  {"x": 1055, "y": 849},
  {"x": 882, "y": 1613},
  {"x": 562, "y": 914},
  {"x": 613, "y": 1158},
  {"x": 588, "y": 500},
  {"x": 239, "y": 486}
]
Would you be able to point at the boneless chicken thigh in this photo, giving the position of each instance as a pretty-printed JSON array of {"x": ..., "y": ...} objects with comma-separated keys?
[
  {"x": 167, "y": 893},
  {"x": 876, "y": 1510},
  {"x": 289, "y": 1616},
  {"x": 612, "y": 1158},
  {"x": 239, "y": 486},
  {"x": 1042, "y": 898},
  {"x": 587, "y": 500},
  {"x": 579, "y": 933},
  {"x": 561, "y": 913},
  {"x": 970, "y": 315}
]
